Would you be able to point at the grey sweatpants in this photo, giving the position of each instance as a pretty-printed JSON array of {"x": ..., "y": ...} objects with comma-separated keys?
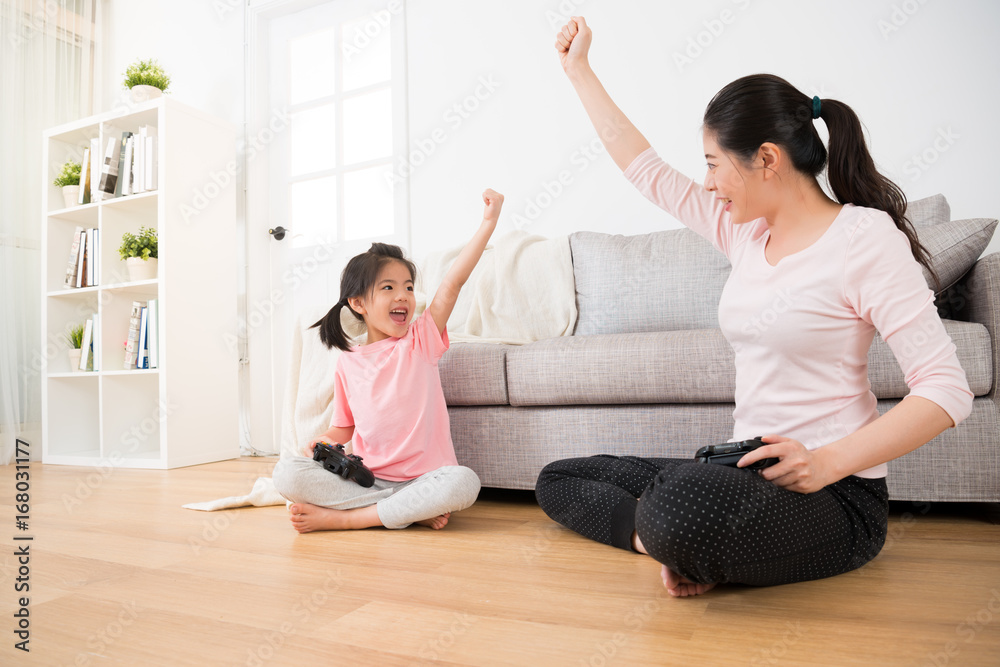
[{"x": 447, "y": 489}]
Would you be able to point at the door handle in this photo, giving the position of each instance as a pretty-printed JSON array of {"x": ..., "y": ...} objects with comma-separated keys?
[{"x": 278, "y": 232}]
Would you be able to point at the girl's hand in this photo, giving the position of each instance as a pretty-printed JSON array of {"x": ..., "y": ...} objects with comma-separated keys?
[
  {"x": 493, "y": 201},
  {"x": 573, "y": 43},
  {"x": 799, "y": 469},
  {"x": 308, "y": 449},
  {"x": 447, "y": 292}
]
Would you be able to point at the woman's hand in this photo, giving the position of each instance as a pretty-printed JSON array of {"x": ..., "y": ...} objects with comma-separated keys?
[
  {"x": 573, "y": 43},
  {"x": 799, "y": 469}
]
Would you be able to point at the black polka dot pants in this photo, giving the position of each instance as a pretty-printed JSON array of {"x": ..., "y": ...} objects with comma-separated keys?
[{"x": 716, "y": 524}]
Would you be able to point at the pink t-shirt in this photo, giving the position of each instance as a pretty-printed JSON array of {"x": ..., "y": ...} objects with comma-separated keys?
[
  {"x": 801, "y": 330},
  {"x": 390, "y": 391}
]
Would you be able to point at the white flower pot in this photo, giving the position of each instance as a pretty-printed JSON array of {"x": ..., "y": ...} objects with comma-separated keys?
[
  {"x": 71, "y": 194},
  {"x": 143, "y": 93},
  {"x": 74, "y": 358},
  {"x": 141, "y": 269}
]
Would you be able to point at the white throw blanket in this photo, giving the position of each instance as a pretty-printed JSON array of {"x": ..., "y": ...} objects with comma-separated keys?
[{"x": 521, "y": 291}]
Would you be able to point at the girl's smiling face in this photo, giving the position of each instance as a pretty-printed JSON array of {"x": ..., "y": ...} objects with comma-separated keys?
[{"x": 389, "y": 308}]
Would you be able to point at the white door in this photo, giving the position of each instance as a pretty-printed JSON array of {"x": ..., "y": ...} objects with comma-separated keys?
[{"x": 326, "y": 125}]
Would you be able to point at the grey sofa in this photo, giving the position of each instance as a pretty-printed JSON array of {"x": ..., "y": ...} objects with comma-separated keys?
[{"x": 648, "y": 372}]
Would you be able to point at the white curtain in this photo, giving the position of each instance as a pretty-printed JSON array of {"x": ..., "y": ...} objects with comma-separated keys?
[{"x": 46, "y": 78}]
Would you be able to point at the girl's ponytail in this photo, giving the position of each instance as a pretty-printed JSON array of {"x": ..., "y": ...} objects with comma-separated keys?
[
  {"x": 854, "y": 178},
  {"x": 330, "y": 330}
]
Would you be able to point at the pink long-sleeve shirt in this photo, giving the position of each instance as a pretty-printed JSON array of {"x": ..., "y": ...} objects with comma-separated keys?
[{"x": 801, "y": 329}]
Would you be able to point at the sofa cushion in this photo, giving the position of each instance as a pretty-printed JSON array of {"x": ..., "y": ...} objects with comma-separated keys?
[
  {"x": 694, "y": 366},
  {"x": 928, "y": 211},
  {"x": 972, "y": 345},
  {"x": 664, "y": 281},
  {"x": 954, "y": 246},
  {"x": 474, "y": 374}
]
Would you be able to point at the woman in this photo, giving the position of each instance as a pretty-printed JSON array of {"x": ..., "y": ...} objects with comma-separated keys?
[{"x": 844, "y": 268}]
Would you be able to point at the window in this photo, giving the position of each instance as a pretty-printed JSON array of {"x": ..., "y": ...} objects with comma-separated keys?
[{"x": 342, "y": 87}]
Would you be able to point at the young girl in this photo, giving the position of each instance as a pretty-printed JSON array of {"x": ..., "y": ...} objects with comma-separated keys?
[
  {"x": 388, "y": 400},
  {"x": 853, "y": 266}
]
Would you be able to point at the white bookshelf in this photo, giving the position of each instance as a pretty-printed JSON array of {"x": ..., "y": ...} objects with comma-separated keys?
[{"x": 184, "y": 412}]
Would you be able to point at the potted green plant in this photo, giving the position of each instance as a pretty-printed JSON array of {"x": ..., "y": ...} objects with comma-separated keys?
[
  {"x": 69, "y": 180},
  {"x": 75, "y": 339},
  {"x": 140, "y": 253},
  {"x": 145, "y": 80}
]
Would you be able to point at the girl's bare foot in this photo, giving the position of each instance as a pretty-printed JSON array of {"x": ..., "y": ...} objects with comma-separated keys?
[
  {"x": 437, "y": 522},
  {"x": 637, "y": 544},
  {"x": 680, "y": 587},
  {"x": 307, "y": 518}
]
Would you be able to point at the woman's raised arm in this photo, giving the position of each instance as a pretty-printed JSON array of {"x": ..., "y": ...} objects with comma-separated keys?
[{"x": 620, "y": 137}]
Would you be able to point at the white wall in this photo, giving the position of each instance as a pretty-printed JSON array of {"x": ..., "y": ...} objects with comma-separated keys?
[
  {"x": 916, "y": 71},
  {"x": 199, "y": 43},
  {"x": 933, "y": 74}
]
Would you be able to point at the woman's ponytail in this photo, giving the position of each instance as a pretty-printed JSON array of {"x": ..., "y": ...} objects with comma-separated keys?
[{"x": 854, "y": 178}]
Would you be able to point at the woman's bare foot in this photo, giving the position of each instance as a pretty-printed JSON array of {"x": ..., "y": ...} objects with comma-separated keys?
[
  {"x": 675, "y": 584},
  {"x": 307, "y": 518},
  {"x": 437, "y": 522},
  {"x": 680, "y": 587}
]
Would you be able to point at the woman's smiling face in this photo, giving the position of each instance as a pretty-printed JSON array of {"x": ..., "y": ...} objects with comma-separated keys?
[{"x": 728, "y": 181}]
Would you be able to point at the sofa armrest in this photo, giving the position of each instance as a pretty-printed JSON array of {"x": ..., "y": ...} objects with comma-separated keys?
[{"x": 976, "y": 298}]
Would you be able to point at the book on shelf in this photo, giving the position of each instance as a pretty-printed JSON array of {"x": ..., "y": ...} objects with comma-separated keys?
[
  {"x": 142, "y": 361},
  {"x": 153, "y": 333},
  {"x": 95, "y": 169},
  {"x": 109, "y": 171},
  {"x": 132, "y": 343},
  {"x": 96, "y": 341},
  {"x": 139, "y": 161},
  {"x": 90, "y": 250},
  {"x": 86, "y": 363},
  {"x": 128, "y": 166},
  {"x": 85, "y": 178},
  {"x": 86, "y": 254},
  {"x": 128, "y": 172},
  {"x": 96, "y": 256},
  {"x": 123, "y": 169},
  {"x": 81, "y": 261},
  {"x": 74, "y": 256},
  {"x": 149, "y": 168}
]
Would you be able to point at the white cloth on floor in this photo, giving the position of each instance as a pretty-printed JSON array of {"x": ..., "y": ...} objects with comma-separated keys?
[{"x": 262, "y": 494}]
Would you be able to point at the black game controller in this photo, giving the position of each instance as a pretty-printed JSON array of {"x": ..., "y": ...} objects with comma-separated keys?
[
  {"x": 728, "y": 454},
  {"x": 340, "y": 463}
]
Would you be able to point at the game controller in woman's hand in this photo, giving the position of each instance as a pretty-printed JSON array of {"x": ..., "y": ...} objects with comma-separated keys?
[
  {"x": 347, "y": 466},
  {"x": 729, "y": 454}
]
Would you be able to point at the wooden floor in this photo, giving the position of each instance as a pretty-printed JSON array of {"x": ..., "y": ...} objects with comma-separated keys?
[{"x": 120, "y": 574}]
